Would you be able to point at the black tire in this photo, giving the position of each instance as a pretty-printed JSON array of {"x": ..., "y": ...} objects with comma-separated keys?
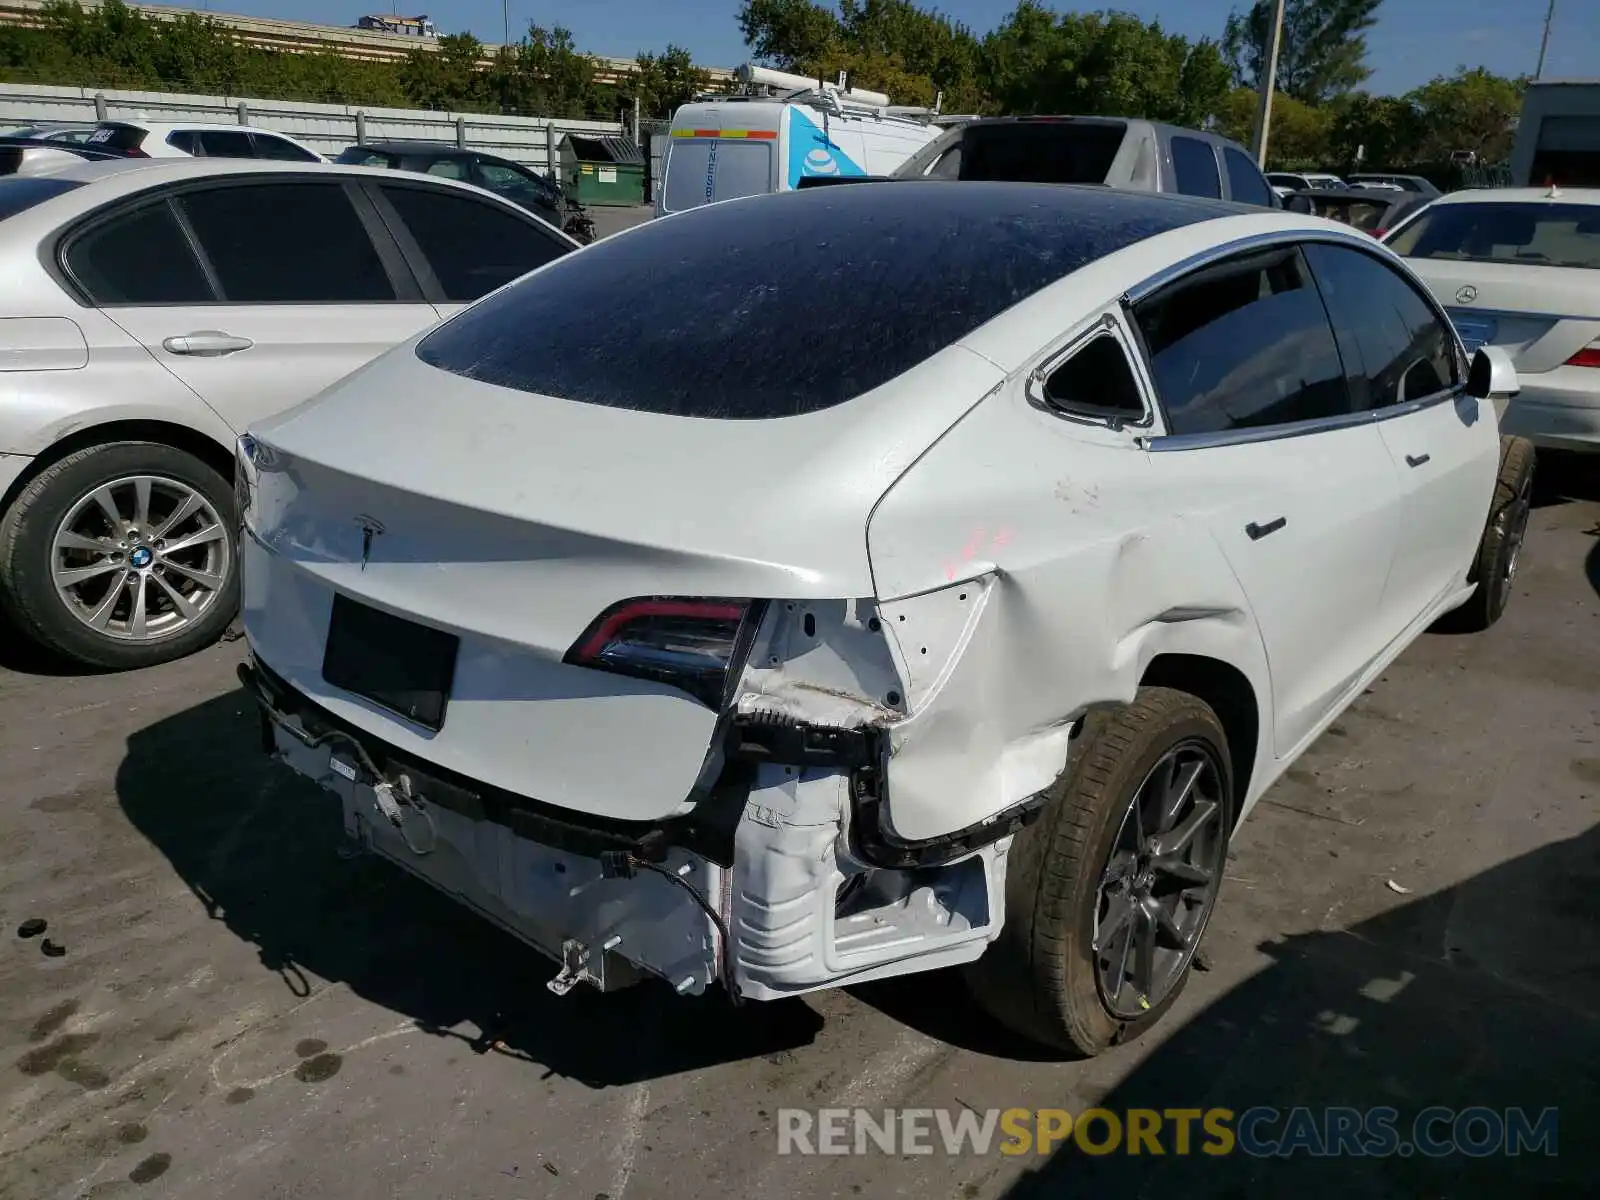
[
  {"x": 28, "y": 528},
  {"x": 1039, "y": 978},
  {"x": 1495, "y": 568}
]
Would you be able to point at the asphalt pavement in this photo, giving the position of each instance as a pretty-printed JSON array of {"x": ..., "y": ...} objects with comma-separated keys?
[{"x": 1410, "y": 919}]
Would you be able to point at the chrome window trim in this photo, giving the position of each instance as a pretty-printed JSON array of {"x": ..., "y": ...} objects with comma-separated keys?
[
  {"x": 1242, "y": 247},
  {"x": 1170, "y": 443},
  {"x": 1142, "y": 291},
  {"x": 1106, "y": 325}
]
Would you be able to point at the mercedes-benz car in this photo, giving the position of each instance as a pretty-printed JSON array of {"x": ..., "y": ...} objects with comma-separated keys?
[
  {"x": 941, "y": 587},
  {"x": 1519, "y": 268}
]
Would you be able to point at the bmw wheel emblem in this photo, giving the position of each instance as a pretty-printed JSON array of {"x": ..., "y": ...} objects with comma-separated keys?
[
  {"x": 1467, "y": 295},
  {"x": 140, "y": 558}
]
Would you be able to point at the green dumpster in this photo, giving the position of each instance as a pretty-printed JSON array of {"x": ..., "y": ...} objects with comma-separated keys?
[{"x": 602, "y": 170}]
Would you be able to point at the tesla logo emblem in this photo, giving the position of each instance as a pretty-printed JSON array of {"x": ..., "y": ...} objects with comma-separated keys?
[
  {"x": 371, "y": 527},
  {"x": 1467, "y": 294}
]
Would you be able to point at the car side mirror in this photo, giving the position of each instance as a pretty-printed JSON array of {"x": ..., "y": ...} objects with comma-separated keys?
[
  {"x": 1493, "y": 376},
  {"x": 1300, "y": 204}
]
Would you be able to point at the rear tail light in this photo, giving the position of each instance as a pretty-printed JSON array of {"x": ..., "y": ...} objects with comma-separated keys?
[
  {"x": 1589, "y": 356},
  {"x": 693, "y": 644},
  {"x": 135, "y": 152}
]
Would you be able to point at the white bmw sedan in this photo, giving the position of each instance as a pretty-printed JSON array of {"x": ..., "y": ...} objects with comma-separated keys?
[
  {"x": 910, "y": 575},
  {"x": 152, "y": 309},
  {"x": 1520, "y": 269}
]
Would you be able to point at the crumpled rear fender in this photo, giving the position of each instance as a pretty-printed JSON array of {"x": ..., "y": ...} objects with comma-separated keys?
[{"x": 1026, "y": 574}]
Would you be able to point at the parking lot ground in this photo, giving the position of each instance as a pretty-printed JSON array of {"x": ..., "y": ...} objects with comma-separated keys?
[
  {"x": 1410, "y": 920},
  {"x": 609, "y": 219}
]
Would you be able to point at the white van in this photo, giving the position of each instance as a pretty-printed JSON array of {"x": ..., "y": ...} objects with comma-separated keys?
[{"x": 731, "y": 146}]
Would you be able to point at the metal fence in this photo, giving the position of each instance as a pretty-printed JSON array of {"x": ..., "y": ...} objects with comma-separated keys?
[{"x": 326, "y": 128}]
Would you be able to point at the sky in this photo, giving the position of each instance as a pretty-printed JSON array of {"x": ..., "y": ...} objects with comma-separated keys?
[{"x": 1415, "y": 40}]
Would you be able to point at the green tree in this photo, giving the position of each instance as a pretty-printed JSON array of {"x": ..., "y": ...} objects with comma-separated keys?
[
  {"x": 1474, "y": 110},
  {"x": 1323, "y": 53},
  {"x": 1301, "y": 133},
  {"x": 448, "y": 78},
  {"x": 791, "y": 35},
  {"x": 665, "y": 81},
  {"x": 1101, "y": 63}
]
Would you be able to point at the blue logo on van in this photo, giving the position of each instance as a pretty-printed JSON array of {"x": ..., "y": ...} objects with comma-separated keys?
[{"x": 812, "y": 153}]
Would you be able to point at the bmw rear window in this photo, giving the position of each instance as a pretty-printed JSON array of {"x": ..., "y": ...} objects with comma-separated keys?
[
  {"x": 787, "y": 304},
  {"x": 20, "y": 193}
]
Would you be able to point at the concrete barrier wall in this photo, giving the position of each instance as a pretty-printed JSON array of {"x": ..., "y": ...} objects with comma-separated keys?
[{"x": 327, "y": 128}]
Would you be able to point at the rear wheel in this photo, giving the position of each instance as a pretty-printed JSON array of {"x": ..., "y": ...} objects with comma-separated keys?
[
  {"x": 1108, "y": 896},
  {"x": 121, "y": 555},
  {"x": 1500, "y": 549}
]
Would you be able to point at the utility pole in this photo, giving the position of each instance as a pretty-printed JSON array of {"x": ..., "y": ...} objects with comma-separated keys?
[
  {"x": 1269, "y": 83},
  {"x": 505, "y": 22},
  {"x": 1544, "y": 46}
]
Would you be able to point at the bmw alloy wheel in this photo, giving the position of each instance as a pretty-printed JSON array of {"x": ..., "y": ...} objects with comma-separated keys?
[{"x": 140, "y": 558}]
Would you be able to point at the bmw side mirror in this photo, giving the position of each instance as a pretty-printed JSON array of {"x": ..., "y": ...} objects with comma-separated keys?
[{"x": 1493, "y": 376}]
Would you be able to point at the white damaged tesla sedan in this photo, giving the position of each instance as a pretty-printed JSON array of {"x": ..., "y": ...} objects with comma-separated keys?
[{"x": 908, "y": 575}]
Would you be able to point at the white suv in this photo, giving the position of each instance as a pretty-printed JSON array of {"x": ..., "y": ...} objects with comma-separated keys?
[
  {"x": 199, "y": 139},
  {"x": 152, "y": 309}
]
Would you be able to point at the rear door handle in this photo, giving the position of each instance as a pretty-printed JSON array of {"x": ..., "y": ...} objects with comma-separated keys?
[
  {"x": 1257, "y": 532},
  {"x": 206, "y": 343},
  {"x": 1417, "y": 461}
]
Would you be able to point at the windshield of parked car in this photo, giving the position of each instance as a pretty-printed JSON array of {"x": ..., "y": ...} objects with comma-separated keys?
[
  {"x": 18, "y": 193},
  {"x": 1531, "y": 234},
  {"x": 780, "y": 305}
]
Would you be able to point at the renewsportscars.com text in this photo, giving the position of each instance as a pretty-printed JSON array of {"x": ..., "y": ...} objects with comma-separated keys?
[{"x": 1261, "y": 1132}]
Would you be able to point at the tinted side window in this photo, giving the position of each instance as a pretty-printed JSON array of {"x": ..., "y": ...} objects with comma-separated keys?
[
  {"x": 1243, "y": 345},
  {"x": 287, "y": 243},
  {"x": 473, "y": 245},
  {"x": 139, "y": 257},
  {"x": 1195, "y": 166},
  {"x": 513, "y": 184},
  {"x": 1097, "y": 381},
  {"x": 184, "y": 139},
  {"x": 1397, "y": 349},
  {"x": 1245, "y": 183},
  {"x": 278, "y": 148},
  {"x": 224, "y": 143}
]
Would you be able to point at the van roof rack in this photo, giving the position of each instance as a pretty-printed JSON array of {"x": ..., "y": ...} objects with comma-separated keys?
[{"x": 764, "y": 83}]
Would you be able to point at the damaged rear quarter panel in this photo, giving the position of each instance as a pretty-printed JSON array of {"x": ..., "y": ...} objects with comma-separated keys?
[{"x": 1029, "y": 568}]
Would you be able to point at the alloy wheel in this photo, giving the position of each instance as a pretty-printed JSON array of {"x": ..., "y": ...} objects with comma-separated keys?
[
  {"x": 1160, "y": 881},
  {"x": 1513, "y": 522},
  {"x": 140, "y": 558}
]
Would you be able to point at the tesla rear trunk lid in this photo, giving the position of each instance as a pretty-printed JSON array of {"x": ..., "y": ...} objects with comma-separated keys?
[{"x": 511, "y": 521}]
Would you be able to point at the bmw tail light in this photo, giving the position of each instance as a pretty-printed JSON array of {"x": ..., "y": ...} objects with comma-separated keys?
[
  {"x": 694, "y": 644},
  {"x": 1589, "y": 356}
]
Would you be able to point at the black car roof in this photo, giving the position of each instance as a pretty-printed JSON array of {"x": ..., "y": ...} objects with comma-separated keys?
[{"x": 801, "y": 300}]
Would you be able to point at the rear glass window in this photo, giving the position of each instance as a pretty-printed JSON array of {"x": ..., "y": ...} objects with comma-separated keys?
[
  {"x": 19, "y": 195},
  {"x": 1534, "y": 234},
  {"x": 1041, "y": 152},
  {"x": 791, "y": 303},
  {"x": 701, "y": 170}
]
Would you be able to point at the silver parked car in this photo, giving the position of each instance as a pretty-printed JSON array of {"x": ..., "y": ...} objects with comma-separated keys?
[{"x": 153, "y": 308}]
